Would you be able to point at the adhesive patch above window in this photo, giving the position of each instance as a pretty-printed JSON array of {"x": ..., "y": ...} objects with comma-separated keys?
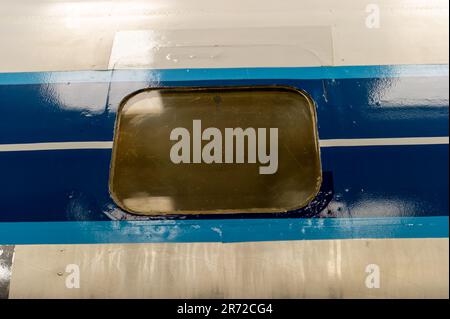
[{"x": 215, "y": 150}]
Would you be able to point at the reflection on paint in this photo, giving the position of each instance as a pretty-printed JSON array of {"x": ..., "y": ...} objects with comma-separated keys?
[
  {"x": 409, "y": 92},
  {"x": 90, "y": 102},
  {"x": 383, "y": 207}
]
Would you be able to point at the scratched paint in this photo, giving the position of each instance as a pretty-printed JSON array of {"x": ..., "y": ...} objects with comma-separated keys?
[{"x": 6, "y": 260}]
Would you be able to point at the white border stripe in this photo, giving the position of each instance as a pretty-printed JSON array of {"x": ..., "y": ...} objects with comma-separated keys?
[
  {"x": 323, "y": 143},
  {"x": 385, "y": 141},
  {"x": 55, "y": 146}
]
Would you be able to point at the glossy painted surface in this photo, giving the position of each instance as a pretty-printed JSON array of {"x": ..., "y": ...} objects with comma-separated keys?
[
  {"x": 222, "y": 230},
  {"x": 42, "y": 35},
  {"x": 366, "y": 181},
  {"x": 380, "y": 182},
  {"x": 409, "y": 101}
]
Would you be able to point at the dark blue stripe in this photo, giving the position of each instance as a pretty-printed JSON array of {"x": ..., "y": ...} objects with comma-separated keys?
[
  {"x": 364, "y": 181},
  {"x": 351, "y": 108}
]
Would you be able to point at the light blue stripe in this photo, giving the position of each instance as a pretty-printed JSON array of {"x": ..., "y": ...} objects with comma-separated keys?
[
  {"x": 230, "y": 230},
  {"x": 156, "y": 75}
]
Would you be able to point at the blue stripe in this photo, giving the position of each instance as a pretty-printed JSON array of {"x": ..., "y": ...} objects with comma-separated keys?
[
  {"x": 350, "y": 108},
  {"x": 294, "y": 73},
  {"x": 366, "y": 182},
  {"x": 45, "y": 195},
  {"x": 221, "y": 230}
]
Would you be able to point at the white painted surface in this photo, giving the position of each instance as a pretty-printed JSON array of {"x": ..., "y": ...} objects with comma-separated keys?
[
  {"x": 211, "y": 48},
  {"x": 409, "y": 268},
  {"x": 45, "y": 35}
]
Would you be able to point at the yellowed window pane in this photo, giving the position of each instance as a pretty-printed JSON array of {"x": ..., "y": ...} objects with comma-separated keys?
[{"x": 215, "y": 150}]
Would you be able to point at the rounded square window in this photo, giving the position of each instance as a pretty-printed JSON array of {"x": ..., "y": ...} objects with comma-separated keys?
[{"x": 215, "y": 150}]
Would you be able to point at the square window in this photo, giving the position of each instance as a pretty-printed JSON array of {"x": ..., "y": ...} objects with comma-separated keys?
[{"x": 215, "y": 150}]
